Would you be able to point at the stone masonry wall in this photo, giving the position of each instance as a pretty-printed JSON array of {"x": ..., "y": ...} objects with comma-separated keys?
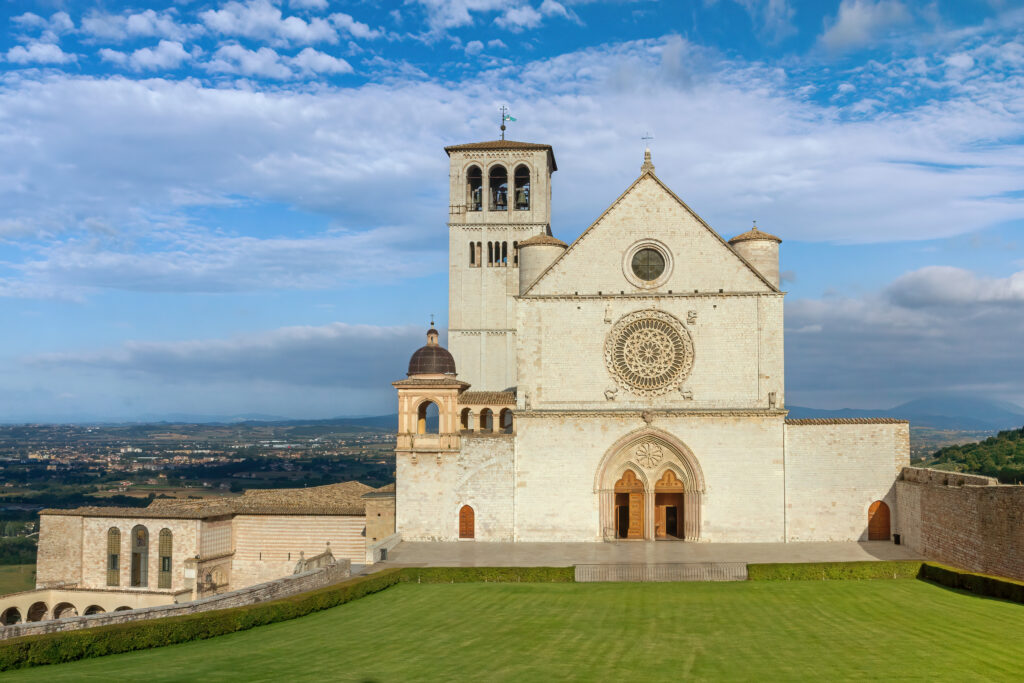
[
  {"x": 268, "y": 546},
  {"x": 59, "y": 558},
  {"x": 966, "y": 521},
  {"x": 279, "y": 588},
  {"x": 94, "y": 550},
  {"x": 432, "y": 490},
  {"x": 835, "y": 471}
]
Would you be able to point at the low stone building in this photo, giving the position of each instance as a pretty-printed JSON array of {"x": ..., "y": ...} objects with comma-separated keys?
[{"x": 101, "y": 558}]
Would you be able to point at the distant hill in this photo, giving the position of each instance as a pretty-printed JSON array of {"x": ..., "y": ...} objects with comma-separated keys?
[
  {"x": 999, "y": 456},
  {"x": 937, "y": 412}
]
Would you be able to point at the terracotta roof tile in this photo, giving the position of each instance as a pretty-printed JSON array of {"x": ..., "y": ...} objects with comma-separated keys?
[
  {"x": 480, "y": 398},
  {"x": 753, "y": 234},
  {"x": 542, "y": 239}
]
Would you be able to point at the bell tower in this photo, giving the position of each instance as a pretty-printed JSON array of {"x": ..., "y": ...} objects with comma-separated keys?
[{"x": 499, "y": 196}]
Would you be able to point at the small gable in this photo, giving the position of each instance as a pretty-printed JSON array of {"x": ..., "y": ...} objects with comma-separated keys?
[{"x": 649, "y": 215}]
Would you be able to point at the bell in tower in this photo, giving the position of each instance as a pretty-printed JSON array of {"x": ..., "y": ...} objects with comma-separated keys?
[{"x": 499, "y": 196}]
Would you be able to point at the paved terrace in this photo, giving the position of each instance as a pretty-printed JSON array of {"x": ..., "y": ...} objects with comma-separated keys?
[{"x": 479, "y": 554}]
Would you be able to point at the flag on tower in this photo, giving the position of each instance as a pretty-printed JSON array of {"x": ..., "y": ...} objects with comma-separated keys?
[{"x": 509, "y": 117}]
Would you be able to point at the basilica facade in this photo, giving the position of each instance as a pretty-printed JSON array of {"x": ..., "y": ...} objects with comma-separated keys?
[{"x": 627, "y": 386}]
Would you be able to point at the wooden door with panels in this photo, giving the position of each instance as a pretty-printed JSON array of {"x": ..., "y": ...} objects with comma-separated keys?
[{"x": 629, "y": 504}]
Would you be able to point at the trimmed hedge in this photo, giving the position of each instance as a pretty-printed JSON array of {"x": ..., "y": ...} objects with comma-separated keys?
[
  {"x": 489, "y": 574},
  {"x": 68, "y": 646},
  {"x": 980, "y": 584},
  {"x": 832, "y": 571}
]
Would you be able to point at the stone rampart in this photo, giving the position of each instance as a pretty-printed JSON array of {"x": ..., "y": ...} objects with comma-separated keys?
[
  {"x": 967, "y": 521},
  {"x": 279, "y": 588}
]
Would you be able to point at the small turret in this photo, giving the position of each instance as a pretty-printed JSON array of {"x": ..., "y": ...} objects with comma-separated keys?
[
  {"x": 761, "y": 250},
  {"x": 535, "y": 255}
]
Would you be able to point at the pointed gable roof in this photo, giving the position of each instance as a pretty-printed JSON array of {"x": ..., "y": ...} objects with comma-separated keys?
[{"x": 647, "y": 172}]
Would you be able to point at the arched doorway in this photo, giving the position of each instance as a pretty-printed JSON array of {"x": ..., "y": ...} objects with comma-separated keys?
[
  {"x": 668, "y": 476},
  {"x": 629, "y": 506},
  {"x": 467, "y": 522},
  {"x": 878, "y": 521},
  {"x": 668, "y": 506}
]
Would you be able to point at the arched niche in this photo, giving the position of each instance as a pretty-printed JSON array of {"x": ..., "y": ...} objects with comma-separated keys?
[{"x": 651, "y": 453}]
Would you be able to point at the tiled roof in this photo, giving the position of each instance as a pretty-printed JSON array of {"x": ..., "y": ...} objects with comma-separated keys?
[
  {"x": 429, "y": 382},
  {"x": 480, "y": 398},
  {"x": 847, "y": 421},
  {"x": 753, "y": 234},
  {"x": 333, "y": 499},
  {"x": 542, "y": 239}
]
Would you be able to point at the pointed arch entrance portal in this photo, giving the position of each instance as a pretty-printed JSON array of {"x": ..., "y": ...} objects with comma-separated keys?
[{"x": 649, "y": 486}]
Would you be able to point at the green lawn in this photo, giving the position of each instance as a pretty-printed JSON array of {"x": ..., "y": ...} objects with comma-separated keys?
[
  {"x": 17, "y": 577},
  {"x": 816, "y": 630}
]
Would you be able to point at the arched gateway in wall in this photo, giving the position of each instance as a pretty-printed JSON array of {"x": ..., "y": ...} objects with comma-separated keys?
[{"x": 651, "y": 470}]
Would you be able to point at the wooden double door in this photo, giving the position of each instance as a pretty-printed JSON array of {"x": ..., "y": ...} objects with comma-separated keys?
[{"x": 629, "y": 507}]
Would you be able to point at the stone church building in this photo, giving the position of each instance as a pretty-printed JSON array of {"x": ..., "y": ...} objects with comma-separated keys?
[{"x": 627, "y": 386}]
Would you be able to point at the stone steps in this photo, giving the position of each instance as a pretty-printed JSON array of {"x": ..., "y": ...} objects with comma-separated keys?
[{"x": 695, "y": 571}]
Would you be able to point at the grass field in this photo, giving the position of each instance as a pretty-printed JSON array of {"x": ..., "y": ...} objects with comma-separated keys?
[
  {"x": 812, "y": 630},
  {"x": 17, "y": 577}
]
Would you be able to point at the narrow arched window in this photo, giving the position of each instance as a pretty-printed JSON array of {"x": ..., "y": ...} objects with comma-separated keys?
[
  {"x": 522, "y": 188},
  {"x": 113, "y": 556},
  {"x": 515, "y": 253},
  {"x": 498, "y": 182},
  {"x": 504, "y": 253},
  {"x": 428, "y": 418},
  {"x": 479, "y": 254},
  {"x": 140, "y": 557},
  {"x": 166, "y": 547},
  {"x": 490, "y": 253},
  {"x": 474, "y": 189},
  {"x": 472, "y": 254}
]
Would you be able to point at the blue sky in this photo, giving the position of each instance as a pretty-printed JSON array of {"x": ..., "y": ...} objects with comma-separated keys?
[{"x": 239, "y": 207}]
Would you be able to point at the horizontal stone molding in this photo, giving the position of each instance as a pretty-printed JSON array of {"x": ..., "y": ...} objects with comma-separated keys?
[{"x": 598, "y": 413}]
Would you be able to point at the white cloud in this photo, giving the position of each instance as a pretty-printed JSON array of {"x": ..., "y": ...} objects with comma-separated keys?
[
  {"x": 39, "y": 53},
  {"x": 496, "y": 43},
  {"x": 113, "y": 56},
  {"x": 474, "y": 47},
  {"x": 146, "y": 24},
  {"x": 308, "y": 4},
  {"x": 235, "y": 59},
  {"x": 356, "y": 29},
  {"x": 167, "y": 55},
  {"x": 315, "y": 62},
  {"x": 330, "y": 361},
  {"x": 943, "y": 286},
  {"x": 50, "y": 30},
  {"x": 519, "y": 18},
  {"x": 932, "y": 330},
  {"x": 862, "y": 22},
  {"x": 260, "y": 20},
  {"x": 961, "y": 61}
]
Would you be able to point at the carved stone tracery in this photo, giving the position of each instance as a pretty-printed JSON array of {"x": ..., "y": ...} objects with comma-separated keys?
[{"x": 649, "y": 352}]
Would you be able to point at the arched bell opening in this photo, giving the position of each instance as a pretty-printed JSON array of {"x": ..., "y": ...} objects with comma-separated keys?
[
  {"x": 474, "y": 189},
  {"x": 428, "y": 418},
  {"x": 522, "y": 188},
  {"x": 498, "y": 184}
]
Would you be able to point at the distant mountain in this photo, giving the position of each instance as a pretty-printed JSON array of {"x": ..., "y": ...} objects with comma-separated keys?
[{"x": 937, "y": 412}]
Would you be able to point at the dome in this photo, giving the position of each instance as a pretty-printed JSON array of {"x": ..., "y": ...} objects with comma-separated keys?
[{"x": 432, "y": 359}]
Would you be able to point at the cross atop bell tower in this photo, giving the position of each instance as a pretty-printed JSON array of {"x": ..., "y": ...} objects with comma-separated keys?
[{"x": 499, "y": 196}]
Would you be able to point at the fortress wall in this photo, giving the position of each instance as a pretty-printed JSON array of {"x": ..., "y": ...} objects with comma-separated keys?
[
  {"x": 967, "y": 521},
  {"x": 835, "y": 470},
  {"x": 431, "y": 490},
  {"x": 59, "y": 558},
  {"x": 268, "y": 546}
]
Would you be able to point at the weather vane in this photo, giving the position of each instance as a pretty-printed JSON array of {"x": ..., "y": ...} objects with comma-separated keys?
[
  {"x": 645, "y": 137},
  {"x": 505, "y": 116}
]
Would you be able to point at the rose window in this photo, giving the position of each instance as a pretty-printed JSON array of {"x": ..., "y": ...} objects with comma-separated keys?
[{"x": 648, "y": 352}]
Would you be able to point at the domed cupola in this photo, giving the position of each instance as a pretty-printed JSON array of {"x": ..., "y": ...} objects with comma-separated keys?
[{"x": 432, "y": 359}]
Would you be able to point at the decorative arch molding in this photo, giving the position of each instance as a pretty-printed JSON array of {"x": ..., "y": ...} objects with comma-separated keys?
[
  {"x": 649, "y": 453},
  {"x": 674, "y": 454}
]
